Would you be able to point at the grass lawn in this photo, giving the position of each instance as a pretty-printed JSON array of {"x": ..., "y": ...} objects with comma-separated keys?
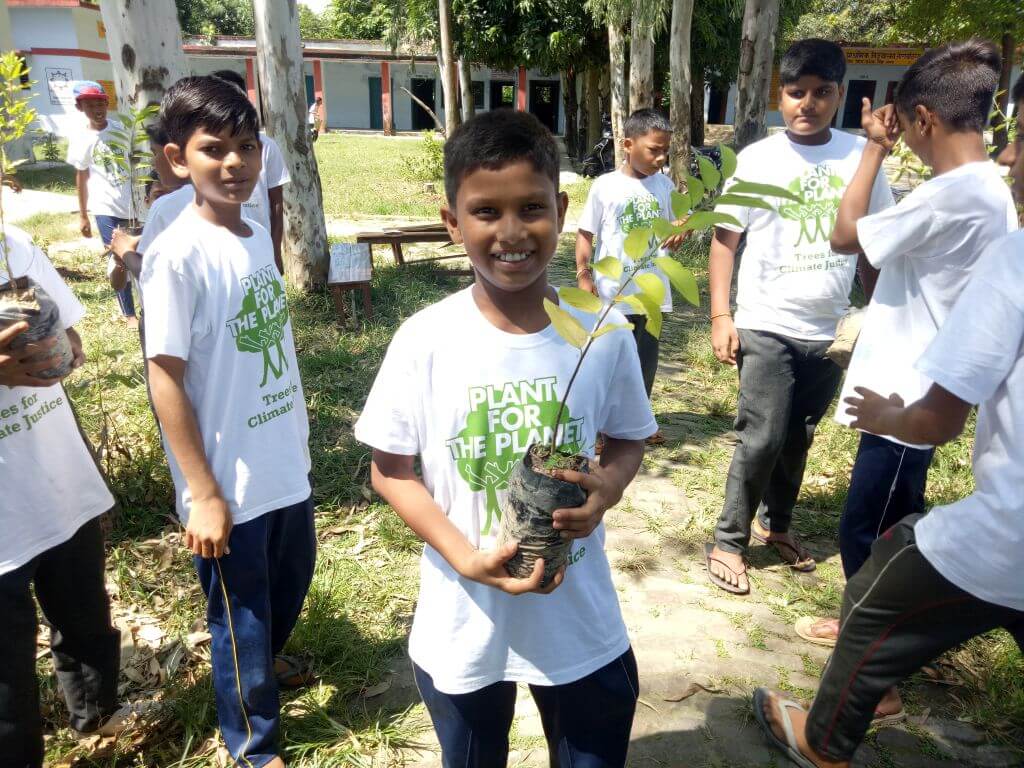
[{"x": 58, "y": 178}]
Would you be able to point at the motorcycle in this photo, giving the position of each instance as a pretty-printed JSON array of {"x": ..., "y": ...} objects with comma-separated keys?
[{"x": 601, "y": 159}]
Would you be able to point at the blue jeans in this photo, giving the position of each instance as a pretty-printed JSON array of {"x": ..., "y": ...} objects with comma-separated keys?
[
  {"x": 106, "y": 226},
  {"x": 254, "y": 597},
  {"x": 887, "y": 484},
  {"x": 586, "y": 722}
]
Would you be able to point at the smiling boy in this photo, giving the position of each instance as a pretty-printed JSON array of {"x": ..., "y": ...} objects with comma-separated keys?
[
  {"x": 792, "y": 291},
  {"x": 456, "y": 389},
  {"x": 226, "y": 388}
]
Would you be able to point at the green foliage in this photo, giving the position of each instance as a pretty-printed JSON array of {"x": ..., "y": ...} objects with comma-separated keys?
[
  {"x": 15, "y": 118},
  {"x": 221, "y": 17},
  {"x": 852, "y": 21},
  {"x": 129, "y": 152},
  {"x": 428, "y": 163},
  {"x": 932, "y": 22},
  {"x": 50, "y": 148}
]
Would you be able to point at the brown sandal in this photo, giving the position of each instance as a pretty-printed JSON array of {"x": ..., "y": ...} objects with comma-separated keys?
[
  {"x": 799, "y": 558},
  {"x": 718, "y": 581}
]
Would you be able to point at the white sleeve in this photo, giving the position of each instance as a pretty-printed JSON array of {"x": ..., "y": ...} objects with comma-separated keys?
[
  {"x": 881, "y": 194},
  {"x": 172, "y": 303},
  {"x": 275, "y": 170},
  {"x": 590, "y": 218},
  {"x": 981, "y": 340},
  {"x": 79, "y": 153},
  {"x": 895, "y": 231},
  {"x": 388, "y": 421},
  {"x": 43, "y": 272},
  {"x": 627, "y": 413}
]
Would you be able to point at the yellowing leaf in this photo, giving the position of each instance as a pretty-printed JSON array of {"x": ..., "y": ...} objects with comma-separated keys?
[
  {"x": 680, "y": 204},
  {"x": 708, "y": 173},
  {"x": 577, "y": 297},
  {"x": 740, "y": 187},
  {"x": 609, "y": 327},
  {"x": 634, "y": 301},
  {"x": 681, "y": 278},
  {"x": 653, "y": 312},
  {"x": 707, "y": 219},
  {"x": 567, "y": 326},
  {"x": 651, "y": 285},
  {"x": 728, "y": 161},
  {"x": 744, "y": 201},
  {"x": 664, "y": 229},
  {"x": 637, "y": 242},
  {"x": 695, "y": 189},
  {"x": 610, "y": 267}
]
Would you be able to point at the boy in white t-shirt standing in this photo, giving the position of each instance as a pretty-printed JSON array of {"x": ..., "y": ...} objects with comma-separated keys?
[
  {"x": 52, "y": 542},
  {"x": 227, "y": 392},
  {"x": 103, "y": 188},
  {"x": 925, "y": 249},
  {"x": 465, "y": 385},
  {"x": 630, "y": 197},
  {"x": 792, "y": 290}
]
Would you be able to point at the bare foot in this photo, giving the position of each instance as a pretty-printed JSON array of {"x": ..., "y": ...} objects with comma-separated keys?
[
  {"x": 891, "y": 704},
  {"x": 731, "y": 568},
  {"x": 131, "y": 321},
  {"x": 277, "y": 762},
  {"x": 798, "y": 718},
  {"x": 825, "y": 629}
]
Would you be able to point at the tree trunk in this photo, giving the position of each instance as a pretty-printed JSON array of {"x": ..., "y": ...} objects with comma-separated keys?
[
  {"x": 449, "y": 75},
  {"x": 757, "y": 50},
  {"x": 679, "y": 69},
  {"x": 696, "y": 107},
  {"x": 617, "y": 66},
  {"x": 144, "y": 40},
  {"x": 571, "y": 103},
  {"x": 641, "y": 66},
  {"x": 283, "y": 96},
  {"x": 592, "y": 98},
  {"x": 466, "y": 88},
  {"x": 1000, "y": 118}
]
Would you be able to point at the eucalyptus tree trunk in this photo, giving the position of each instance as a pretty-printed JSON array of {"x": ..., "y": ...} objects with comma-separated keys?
[
  {"x": 679, "y": 69},
  {"x": 617, "y": 68},
  {"x": 449, "y": 73},
  {"x": 283, "y": 97},
  {"x": 592, "y": 100},
  {"x": 466, "y": 88},
  {"x": 144, "y": 40},
  {"x": 757, "y": 50},
  {"x": 571, "y": 105},
  {"x": 641, "y": 64},
  {"x": 696, "y": 107}
]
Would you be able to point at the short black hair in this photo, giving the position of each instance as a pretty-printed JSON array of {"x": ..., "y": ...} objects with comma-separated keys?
[
  {"x": 956, "y": 81},
  {"x": 643, "y": 121},
  {"x": 232, "y": 77},
  {"x": 157, "y": 133},
  {"x": 1017, "y": 94},
  {"x": 812, "y": 56},
  {"x": 495, "y": 139},
  {"x": 206, "y": 102}
]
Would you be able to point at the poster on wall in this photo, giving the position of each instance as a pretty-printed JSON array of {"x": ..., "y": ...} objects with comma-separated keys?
[{"x": 60, "y": 82}]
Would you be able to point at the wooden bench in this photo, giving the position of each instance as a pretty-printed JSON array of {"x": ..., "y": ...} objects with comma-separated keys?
[{"x": 415, "y": 233}]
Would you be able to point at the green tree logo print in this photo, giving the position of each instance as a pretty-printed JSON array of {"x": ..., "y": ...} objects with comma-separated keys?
[
  {"x": 259, "y": 325},
  {"x": 821, "y": 191},
  {"x": 503, "y": 421},
  {"x": 640, "y": 211}
]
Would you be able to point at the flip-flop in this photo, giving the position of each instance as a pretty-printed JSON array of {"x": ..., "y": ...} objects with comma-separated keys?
[
  {"x": 802, "y": 560},
  {"x": 719, "y": 581},
  {"x": 656, "y": 439},
  {"x": 803, "y": 629},
  {"x": 297, "y": 674},
  {"x": 787, "y": 747},
  {"x": 882, "y": 720}
]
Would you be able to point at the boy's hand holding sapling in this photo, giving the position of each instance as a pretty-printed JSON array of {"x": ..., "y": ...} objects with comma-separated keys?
[{"x": 17, "y": 368}]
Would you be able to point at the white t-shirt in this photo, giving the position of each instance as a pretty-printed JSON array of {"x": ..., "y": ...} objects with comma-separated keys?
[
  {"x": 616, "y": 205},
  {"x": 790, "y": 281},
  {"x": 109, "y": 190},
  {"x": 926, "y": 248},
  {"x": 54, "y": 487},
  {"x": 978, "y": 355},
  {"x": 312, "y": 113},
  {"x": 163, "y": 212},
  {"x": 274, "y": 174},
  {"x": 216, "y": 300},
  {"x": 468, "y": 398}
]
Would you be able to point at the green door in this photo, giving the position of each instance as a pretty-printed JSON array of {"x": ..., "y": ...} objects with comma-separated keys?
[{"x": 376, "y": 105}]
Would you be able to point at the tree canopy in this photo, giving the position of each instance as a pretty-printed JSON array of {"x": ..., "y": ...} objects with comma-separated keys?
[{"x": 219, "y": 17}]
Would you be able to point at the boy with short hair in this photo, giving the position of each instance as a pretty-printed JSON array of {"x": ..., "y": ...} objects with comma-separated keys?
[
  {"x": 103, "y": 187},
  {"x": 266, "y": 206},
  {"x": 925, "y": 248},
  {"x": 52, "y": 541},
  {"x": 792, "y": 290},
  {"x": 487, "y": 371},
  {"x": 929, "y": 584},
  {"x": 226, "y": 387},
  {"x": 630, "y": 197}
]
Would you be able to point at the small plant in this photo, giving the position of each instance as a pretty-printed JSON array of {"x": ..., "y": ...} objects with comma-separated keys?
[
  {"x": 129, "y": 153},
  {"x": 428, "y": 162},
  {"x": 15, "y": 118},
  {"x": 49, "y": 147}
]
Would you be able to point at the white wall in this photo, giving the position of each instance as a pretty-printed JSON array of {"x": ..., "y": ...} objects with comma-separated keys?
[
  {"x": 30, "y": 27},
  {"x": 206, "y": 65}
]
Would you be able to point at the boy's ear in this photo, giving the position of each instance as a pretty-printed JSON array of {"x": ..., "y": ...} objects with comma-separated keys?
[
  {"x": 451, "y": 223},
  {"x": 176, "y": 157},
  {"x": 563, "y": 206},
  {"x": 924, "y": 118}
]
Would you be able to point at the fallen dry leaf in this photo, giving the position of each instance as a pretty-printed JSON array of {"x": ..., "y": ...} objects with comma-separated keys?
[{"x": 689, "y": 689}]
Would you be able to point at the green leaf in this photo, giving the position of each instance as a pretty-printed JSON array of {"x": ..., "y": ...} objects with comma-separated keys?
[
  {"x": 696, "y": 190},
  {"x": 653, "y": 312},
  {"x": 680, "y": 204},
  {"x": 744, "y": 201},
  {"x": 609, "y": 327},
  {"x": 708, "y": 173},
  {"x": 728, "y": 161},
  {"x": 634, "y": 301},
  {"x": 651, "y": 286},
  {"x": 708, "y": 219},
  {"x": 740, "y": 187},
  {"x": 610, "y": 267},
  {"x": 637, "y": 243},
  {"x": 583, "y": 300},
  {"x": 567, "y": 326},
  {"x": 681, "y": 278},
  {"x": 664, "y": 229}
]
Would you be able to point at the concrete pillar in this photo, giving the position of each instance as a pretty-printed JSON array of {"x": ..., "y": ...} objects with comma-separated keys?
[
  {"x": 385, "y": 98},
  {"x": 521, "y": 94},
  {"x": 250, "y": 82}
]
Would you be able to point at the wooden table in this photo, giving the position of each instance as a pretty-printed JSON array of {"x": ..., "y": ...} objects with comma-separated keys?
[{"x": 417, "y": 233}]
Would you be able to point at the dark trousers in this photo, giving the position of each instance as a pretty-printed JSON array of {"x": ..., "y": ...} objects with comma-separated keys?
[
  {"x": 586, "y": 722},
  {"x": 647, "y": 347},
  {"x": 899, "y": 613},
  {"x": 786, "y": 385},
  {"x": 254, "y": 597},
  {"x": 69, "y": 585},
  {"x": 887, "y": 484},
  {"x": 106, "y": 226}
]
